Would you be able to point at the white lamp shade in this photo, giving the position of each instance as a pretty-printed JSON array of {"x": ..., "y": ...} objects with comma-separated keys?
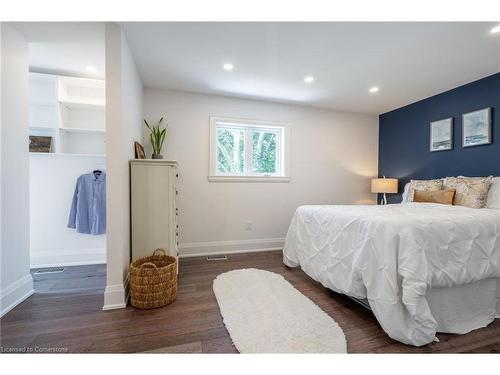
[{"x": 384, "y": 185}]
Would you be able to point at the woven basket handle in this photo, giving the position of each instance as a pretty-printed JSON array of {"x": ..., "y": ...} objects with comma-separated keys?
[
  {"x": 148, "y": 265},
  {"x": 160, "y": 250}
]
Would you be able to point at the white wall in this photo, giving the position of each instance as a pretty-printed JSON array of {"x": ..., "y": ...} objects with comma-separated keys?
[
  {"x": 333, "y": 156},
  {"x": 52, "y": 183},
  {"x": 16, "y": 282},
  {"x": 123, "y": 127}
]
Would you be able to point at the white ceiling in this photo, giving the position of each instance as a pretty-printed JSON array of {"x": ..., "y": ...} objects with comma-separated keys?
[
  {"x": 408, "y": 61},
  {"x": 65, "y": 47}
]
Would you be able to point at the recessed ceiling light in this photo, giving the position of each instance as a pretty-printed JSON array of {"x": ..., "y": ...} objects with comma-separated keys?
[
  {"x": 228, "y": 67},
  {"x": 374, "y": 89},
  {"x": 309, "y": 79},
  {"x": 495, "y": 30},
  {"x": 91, "y": 68}
]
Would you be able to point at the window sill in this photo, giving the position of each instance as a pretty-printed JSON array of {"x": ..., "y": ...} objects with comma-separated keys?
[{"x": 248, "y": 179}]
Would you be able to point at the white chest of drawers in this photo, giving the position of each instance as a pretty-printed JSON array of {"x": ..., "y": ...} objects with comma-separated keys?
[{"x": 154, "y": 212}]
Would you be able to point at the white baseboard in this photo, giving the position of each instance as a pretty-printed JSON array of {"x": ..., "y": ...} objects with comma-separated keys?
[
  {"x": 15, "y": 293},
  {"x": 116, "y": 296},
  {"x": 195, "y": 249},
  {"x": 115, "y": 306},
  {"x": 67, "y": 258},
  {"x": 127, "y": 288}
]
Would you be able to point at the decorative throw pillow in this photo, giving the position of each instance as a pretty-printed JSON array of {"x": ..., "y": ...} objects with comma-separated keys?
[
  {"x": 472, "y": 191},
  {"x": 450, "y": 183},
  {"x": 434, "y": 196},
  {"x": 423, "y": 185},
  {"x": 493, "y": 200}
]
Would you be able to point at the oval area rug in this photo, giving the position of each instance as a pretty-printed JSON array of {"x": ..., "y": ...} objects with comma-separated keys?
[{"x": 264, "y": 313}]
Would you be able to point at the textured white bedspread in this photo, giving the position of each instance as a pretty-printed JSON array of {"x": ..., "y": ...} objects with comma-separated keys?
[{"x": 393, "y": 254}]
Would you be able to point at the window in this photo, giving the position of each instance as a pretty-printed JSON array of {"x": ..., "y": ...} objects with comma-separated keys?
[{"x": 248, "y": 150}]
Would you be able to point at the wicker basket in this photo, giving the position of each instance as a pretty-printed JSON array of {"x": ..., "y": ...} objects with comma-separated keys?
[{"x": 153, "y": 280}]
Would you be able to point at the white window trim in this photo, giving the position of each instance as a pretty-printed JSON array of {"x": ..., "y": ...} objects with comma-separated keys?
[{"x": 285, "y": 149}]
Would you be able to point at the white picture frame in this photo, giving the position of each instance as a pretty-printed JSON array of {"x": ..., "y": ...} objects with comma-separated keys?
[
  {"x": 476, "y": 128},
  {"x": 441, "y": 135}
]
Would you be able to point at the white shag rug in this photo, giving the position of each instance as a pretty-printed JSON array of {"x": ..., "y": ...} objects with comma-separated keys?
[{"x": 264, "y": 313}]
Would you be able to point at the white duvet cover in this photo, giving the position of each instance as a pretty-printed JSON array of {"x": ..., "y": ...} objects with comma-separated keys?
[{"x": 392, "y": 255}]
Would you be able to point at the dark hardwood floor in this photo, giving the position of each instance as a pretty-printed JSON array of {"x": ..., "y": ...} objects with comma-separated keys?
[{"x": 65, "y": 315}]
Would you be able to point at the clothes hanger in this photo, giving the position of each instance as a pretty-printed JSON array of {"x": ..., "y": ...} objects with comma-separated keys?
[{"x": 99, "y": 169}]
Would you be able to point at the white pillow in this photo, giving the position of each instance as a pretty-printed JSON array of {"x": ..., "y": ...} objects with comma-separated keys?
[
  {"x": 493, "y": 200},
  {"x": 405, "y": 193}
]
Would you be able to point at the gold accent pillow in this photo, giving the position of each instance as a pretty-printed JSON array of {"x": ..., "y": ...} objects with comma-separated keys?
[
  {"x": 472, "y": 191},
  {"x": 434, "y": 196},
  {"x": 423, "y": 185}
]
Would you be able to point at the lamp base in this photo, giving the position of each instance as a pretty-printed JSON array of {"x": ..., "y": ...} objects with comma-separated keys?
[{"x": 383, "y": 201}]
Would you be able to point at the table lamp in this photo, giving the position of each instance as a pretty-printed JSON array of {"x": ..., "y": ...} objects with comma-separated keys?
[{"x": 384, "y": 185}]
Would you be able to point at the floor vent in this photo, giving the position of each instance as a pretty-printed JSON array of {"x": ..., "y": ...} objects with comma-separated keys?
[
  {"x": 216, "y": 257},
  {"x": 49, "y": 270}
]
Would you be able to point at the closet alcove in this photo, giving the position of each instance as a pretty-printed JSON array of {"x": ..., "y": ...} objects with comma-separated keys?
[{"x": 71, "y": 111}]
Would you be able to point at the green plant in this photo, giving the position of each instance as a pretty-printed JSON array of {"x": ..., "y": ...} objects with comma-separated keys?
[{"x": 157, "y": 135}]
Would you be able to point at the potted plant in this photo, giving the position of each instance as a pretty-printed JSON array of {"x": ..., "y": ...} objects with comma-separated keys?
[{"x": 157, "y": 136}]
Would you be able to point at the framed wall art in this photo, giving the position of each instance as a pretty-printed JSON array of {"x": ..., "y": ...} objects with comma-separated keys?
[
  {"x": 40, "y": 144},
  {"x": 476, "y": 128},
  {"x": 441, "y": 135}
]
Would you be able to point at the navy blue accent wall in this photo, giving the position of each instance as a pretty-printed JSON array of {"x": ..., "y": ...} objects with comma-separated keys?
[{"x": 404, "y": 136}]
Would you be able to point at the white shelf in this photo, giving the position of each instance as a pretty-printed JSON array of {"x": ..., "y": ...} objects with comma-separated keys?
[
  {"x": 83, "y": 131},
  {"x": 41, "y": 104},
  {"x": 60, "y": 154},
  {"x": 43, "y": 128},
  {"x": 81, "y": 92},
  {"x": 83, "y": 104},
  {"x": 71, "y": 111}
]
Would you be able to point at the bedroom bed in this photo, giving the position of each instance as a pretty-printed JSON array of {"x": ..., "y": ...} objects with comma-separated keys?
[{"x": 423, "y": 267}]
